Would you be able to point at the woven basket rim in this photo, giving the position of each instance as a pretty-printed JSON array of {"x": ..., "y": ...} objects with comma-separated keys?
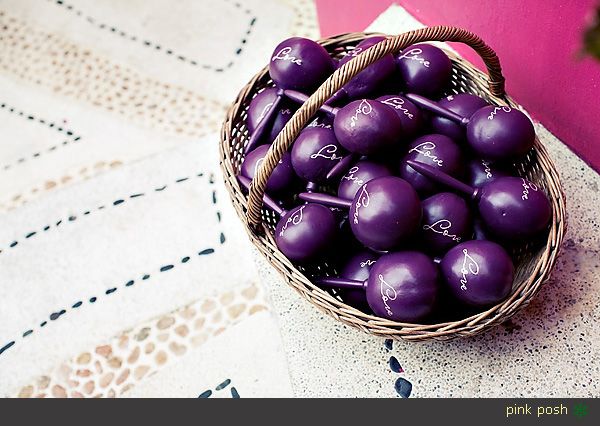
[{"x": 471, "y": 325}]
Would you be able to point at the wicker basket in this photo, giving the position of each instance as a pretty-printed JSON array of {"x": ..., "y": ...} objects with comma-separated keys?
[{"x": 533, "y": 262}]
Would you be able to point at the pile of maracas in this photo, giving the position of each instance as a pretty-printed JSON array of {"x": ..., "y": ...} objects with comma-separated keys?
[{"x": 412, "y": 197}]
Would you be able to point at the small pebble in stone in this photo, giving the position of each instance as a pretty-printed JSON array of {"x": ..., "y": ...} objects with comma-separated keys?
[
  {"x": 205, "y": 394},
  {"x": 395, "y": 365},
  {"x": 388, "y": 344},
  {"x": 403, "y": 387}
]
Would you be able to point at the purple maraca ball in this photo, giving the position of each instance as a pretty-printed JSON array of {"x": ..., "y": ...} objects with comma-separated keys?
[
  {"x": 465, "y": 105},
  {"x": 283, "y": 175},
  {"x": 357, "y": 268},
  {"x": 514, "y": 208},
  {"x": 315, "y": 152},
  {"x": 372, "y": 77},
  {"x": 410, "y": 115},
  {"x": 481, "y": 172},
  {"x": 300, "y": 64},
  {"x": 500, "y": 133},
  {"x": 478, "y": 273},
  {"x": 384, "y": 213},
  {"x": 367, "y": 127},
  {"x": 446, "y": 222},
  {"x": 306, "y": 232},
  {"x": 360, "y": 173},
  {"x": 403, "y": 286},
  {"x": 258, "y": 109},
  {"x": 425, "y": 69},
  {"x": 436, "y": 150}
]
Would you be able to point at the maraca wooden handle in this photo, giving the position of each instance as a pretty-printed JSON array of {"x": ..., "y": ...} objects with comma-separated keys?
[{"x": 343, "y": 75}]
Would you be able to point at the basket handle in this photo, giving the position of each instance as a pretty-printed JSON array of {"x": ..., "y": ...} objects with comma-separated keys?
[{"x": 344, "y": 74}]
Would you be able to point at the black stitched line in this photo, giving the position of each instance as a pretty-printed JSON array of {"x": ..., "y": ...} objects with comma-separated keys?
[
  {"x": 57, "y": 315},
  {"x": 69, "y": 133},
  {"x": 73, "y": 218},
  {"x": 157, "y": 47}
]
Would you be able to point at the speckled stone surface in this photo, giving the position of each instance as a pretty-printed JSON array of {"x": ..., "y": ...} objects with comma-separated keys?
[{"x": 550, "y": 349}]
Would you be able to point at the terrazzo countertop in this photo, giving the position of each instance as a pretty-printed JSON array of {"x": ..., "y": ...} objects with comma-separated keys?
[{"x": 549, "y": 349}]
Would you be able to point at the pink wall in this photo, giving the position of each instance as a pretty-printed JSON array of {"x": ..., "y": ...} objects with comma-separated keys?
[{"x": 537, "y": 41}]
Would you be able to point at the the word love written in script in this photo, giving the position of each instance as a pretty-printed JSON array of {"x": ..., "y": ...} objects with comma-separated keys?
[
  {"x": 398, "y": 103},
  {"x": 414, "y": 55},
  {"x": 284, "y": 55},
  {"x": 486, "y": 169},
  {"x": 294, "y": 219},
  {"x": 367, "y": 262},
  {"x": 526, "y": 187},
  {"x": 363, "y": 200},
  {"x": 364, "y": 108},
  {"x": 265, "y": 110},
  {"x": 387, "y": 293},
  {"x": 328, "y": 152},
  {"x": 496, "y": 110},
  {"x": 441, "y": 227},
  {"x": 425, "y": 149},
  {"x": 469, "y": 267},
  {"x": 350, "y": 176}
]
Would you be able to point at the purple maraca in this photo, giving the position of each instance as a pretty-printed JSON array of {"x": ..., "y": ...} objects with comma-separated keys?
[
  {"x": 446, "y": 222},
  {"x": 438, "y": 151},
  {"x": 478, "y": 273},
  {"x": 364, "y": 126},
  {"x": 410, "y": 115},
  {"x": 383, "y": 214},
  {"x": 370, "y": 78},
  {"x": 259, "y": 108},
  {"x": 315, "y": 152},
  {"x": 495, "y": 133},
  {"x": 402, "y": 286},
  {"x": 512, "y": 208},
  {"x": 283, "y": 175},
  {"x": 304, "y": 232},
  {"x": 296, "y": 63},
  {"x": 463, "y": 104},
  {"x": 424, "y": 69},
  {"x": 480, "y": 172},
  {"x": 358, "y": 174},
  {"x": 357, "y": 268}
]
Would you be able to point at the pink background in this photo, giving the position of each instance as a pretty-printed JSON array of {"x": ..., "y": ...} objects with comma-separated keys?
[{"x": 538, "y": 44}]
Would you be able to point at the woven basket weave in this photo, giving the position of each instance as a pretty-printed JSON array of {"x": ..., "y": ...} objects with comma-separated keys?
[{"x": 534, "y": 261}]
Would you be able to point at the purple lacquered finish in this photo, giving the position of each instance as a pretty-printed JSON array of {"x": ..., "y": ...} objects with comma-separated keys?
[
  {"x": 403, "y": 286},
  {"x": 410, "y": 115},
  {"x": 315, "y": 152},
  {"x": 358, "y": 174},
  {"x": 305, "y": 232},
  {"x": 500, "y": 133},
  {"x": 300, "y": 64},
  {"x": 367, "y": 127},
  {"x": 259, "y": 108},
  {"x": 511, "y": 208},
  {"x": 364, "y": 126},
  {"x": 463, "y": 104},
  {"x": 478, "y": 273},
  {"x": 357, "y": 268},
  {"x": 425, "y": 69},
  {"x": 481, "y": 172},
  {"x": 514, "y": 208},
  {"x": 446, "y": 222},
  {"x": 384, "y": 213},
  {"x": 495, "y": 133},
  {"x": 283, "y": 175},
  {"x": 438, "y": 151},
  {"x": 369, "y": 79}
]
